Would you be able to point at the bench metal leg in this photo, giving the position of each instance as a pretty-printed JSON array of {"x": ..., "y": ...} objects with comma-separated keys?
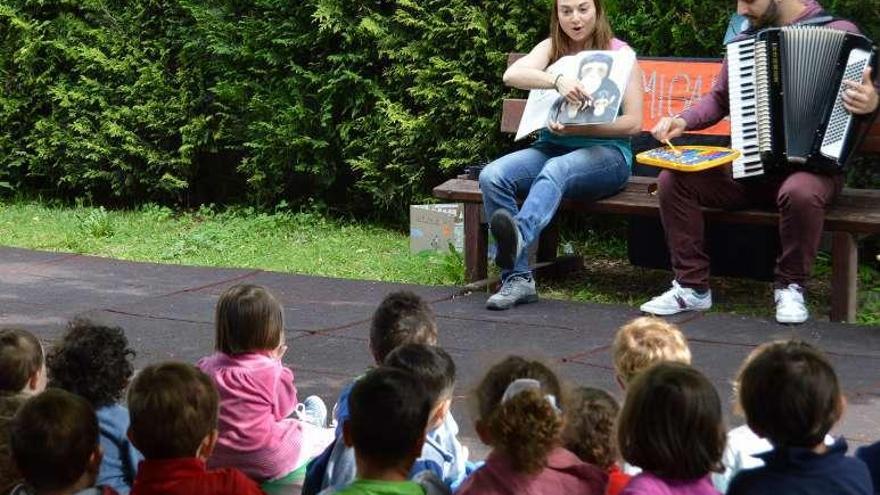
[
  {"x": 844, "y": 276},
  {"x": 476, "y": 242}
]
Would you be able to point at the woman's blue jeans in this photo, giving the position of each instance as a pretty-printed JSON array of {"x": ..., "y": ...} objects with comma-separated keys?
[{"x": 545, "y": 174}]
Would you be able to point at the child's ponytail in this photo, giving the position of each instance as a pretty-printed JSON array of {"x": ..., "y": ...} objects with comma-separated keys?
[{"x": 519, "y": 407}]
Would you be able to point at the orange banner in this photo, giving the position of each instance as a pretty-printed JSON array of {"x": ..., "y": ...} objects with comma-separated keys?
[{"x": 671, "y": 86}]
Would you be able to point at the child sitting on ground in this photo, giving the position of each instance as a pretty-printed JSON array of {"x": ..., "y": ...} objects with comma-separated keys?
[
  {"x": 644, "y": 342},
  {"x": 173, "y": 410},
  {"x": 743, "y": 445},
  {"x": 790, "y": 395},
  {"x": 671, "y": 426},
  {"x": 22, "y": 375},
  {"x": 589, "y": 433},
  {"x": 389, "y": 411},
  {"x": 402, "y": 318},
  {"x": 435, "y": 369},
  {"x": 95, "y": 362},
  {"x": 54, "y": 439},
  {"x": 520, "y": 416},
  {"x": 257, "y": 392}
]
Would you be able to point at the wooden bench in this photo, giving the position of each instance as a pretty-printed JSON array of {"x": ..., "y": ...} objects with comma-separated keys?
[{"x": 672, "y": 84}]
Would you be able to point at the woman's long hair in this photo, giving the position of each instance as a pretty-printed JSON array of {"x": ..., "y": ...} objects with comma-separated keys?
[{"x": 562, "y": 45}]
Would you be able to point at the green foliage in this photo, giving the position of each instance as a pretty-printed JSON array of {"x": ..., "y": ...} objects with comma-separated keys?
[
  {"x": 95, "y": 222},
  {"x": 359, "y": 106}
]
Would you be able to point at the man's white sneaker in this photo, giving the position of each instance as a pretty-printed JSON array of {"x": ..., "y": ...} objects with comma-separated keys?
[
  {"x": 790, "y": 307},
  {"x": 676, "y": 300}
]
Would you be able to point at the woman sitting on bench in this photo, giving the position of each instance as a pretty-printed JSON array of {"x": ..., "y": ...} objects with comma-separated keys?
[{"x": 575, "y": 162}]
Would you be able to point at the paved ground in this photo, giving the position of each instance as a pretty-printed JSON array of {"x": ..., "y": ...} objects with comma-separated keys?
[{"x": 167, "y": 313}]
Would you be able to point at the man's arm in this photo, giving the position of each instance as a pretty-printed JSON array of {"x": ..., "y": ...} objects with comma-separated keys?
[
  {"x": 708, "y": 110},
  {"x": 712, "y": 106}
]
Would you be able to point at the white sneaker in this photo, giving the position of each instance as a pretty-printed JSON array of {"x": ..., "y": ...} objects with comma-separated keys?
[
  {"x": 312, "y": 410},
  {"x": 790, "y": 307},
  {"x": 676, "y": 300}
]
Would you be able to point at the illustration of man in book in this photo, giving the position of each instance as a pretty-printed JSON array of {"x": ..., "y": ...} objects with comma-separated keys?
[{"x": 593, "y": 71}]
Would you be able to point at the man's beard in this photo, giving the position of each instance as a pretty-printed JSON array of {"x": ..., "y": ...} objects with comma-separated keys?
[{"x": 771, "y": 15}]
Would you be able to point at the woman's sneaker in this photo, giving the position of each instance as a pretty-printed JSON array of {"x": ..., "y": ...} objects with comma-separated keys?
[
  {"x": 313, "y": 411},
  {"x": 676, "y": 300},
  {"x": 790, "y": 307},
  {"x": 518, "y": 289}
]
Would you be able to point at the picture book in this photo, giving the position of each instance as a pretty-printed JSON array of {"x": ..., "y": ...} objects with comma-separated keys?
[{"x": 604, "y": 75}]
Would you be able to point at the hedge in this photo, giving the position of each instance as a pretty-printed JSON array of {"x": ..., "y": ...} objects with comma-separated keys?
[{"x": 361, "y": 105}]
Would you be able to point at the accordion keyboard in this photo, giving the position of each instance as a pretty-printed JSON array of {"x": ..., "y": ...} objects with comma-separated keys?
[{"x": 744, "y": 123}]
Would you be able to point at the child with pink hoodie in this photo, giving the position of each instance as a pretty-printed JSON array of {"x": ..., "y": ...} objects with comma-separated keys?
[{"x": 257, "y": 392}]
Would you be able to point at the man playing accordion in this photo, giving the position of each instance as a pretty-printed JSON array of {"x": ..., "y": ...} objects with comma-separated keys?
[{"x": 800, "y": 195}]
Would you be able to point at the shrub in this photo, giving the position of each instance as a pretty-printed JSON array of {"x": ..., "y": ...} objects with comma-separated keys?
[{"x": 362, "y": 106}]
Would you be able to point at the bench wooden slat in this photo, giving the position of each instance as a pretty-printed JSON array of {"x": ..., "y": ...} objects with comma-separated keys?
[
  {"x": 856, "y": 210},
  {"x": 511, "y": 113}
]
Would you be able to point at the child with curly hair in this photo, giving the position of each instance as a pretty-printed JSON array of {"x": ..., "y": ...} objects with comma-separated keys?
[
  {"x": 94, "y": 362},
  {"x": 590, "y": 418},
  {"x": 519, "y": 415},
  {"x": 22, "y": 375},
  {"x": 257, "y": 392}
]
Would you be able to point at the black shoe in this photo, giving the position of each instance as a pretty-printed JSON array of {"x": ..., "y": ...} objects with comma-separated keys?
[{"x": 507, "y": 239}]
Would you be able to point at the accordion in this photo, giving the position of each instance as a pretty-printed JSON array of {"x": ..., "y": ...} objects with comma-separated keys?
[{"x": 786, "y": 110}]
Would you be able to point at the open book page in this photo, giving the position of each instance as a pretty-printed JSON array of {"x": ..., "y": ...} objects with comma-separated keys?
[{"x": 603, "y": 73}]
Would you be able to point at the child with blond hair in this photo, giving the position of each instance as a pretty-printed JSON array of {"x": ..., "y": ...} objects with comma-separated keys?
[
  {"x": 257, "y": 392},
  {"x": 644, "y": 342},
  {"x": 22, "y": 375},
  {"x": 519, "y": 414}
]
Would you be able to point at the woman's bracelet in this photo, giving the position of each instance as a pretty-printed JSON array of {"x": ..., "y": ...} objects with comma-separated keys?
[{"x": 556, "y": 82}]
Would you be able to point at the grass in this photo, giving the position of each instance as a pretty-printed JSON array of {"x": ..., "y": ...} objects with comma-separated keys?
[
  {"x": 313, "y": 243},
  {"x": 304, "y": 242}
]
